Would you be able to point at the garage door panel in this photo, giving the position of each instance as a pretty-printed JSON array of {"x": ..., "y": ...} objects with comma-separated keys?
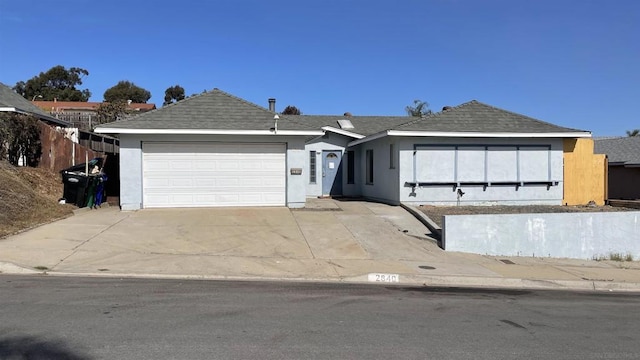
[{"x": 213, "y": 174}]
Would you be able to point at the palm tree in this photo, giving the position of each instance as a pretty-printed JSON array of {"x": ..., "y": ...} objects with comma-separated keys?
[
  {"x": 419, "y": 108},
  {"x": 634, "y": 132}
]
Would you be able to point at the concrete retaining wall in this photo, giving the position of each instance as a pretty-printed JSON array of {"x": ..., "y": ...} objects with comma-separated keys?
[{"x": 565, "y": 235}]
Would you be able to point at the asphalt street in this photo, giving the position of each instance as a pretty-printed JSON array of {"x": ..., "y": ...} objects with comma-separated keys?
[{"x": 100, "y": 318}]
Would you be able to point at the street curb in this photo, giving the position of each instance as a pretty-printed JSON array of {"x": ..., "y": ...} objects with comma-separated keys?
[
  {"x": 405, "y": 280},
  {"x": 13, "y": 269}
]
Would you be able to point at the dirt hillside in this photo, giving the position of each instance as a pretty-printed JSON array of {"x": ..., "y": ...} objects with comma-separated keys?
[{"x": 29, "y": 197}]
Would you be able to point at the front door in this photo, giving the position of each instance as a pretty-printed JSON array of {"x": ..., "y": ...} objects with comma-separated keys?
[{"x": 331, "y": 172}]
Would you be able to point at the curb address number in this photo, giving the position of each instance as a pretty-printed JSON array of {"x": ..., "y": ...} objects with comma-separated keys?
[{"x": 384, "y": 278}]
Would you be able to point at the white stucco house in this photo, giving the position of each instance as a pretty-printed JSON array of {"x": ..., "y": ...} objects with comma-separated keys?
[{"x": 215, "y": 149}]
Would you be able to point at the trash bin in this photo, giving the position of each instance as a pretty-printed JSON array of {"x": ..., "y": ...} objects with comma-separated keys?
[
  {"x": 75, "y": 187},
  {"x": 76, "y": 182}
]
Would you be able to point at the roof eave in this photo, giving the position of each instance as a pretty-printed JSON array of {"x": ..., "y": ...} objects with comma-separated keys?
[
  {"x": 568, "y": 134},
  {"x": 342, "y": 132},
  {"x": 102, "y": 130},
  {"x": 40, "y": 116}
]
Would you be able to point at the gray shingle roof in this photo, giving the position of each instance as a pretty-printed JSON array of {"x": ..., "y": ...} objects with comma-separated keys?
[
  {"x": 9, "y": 98},
  {"x": 475, "y": 116},
  {"x": 621, "y": 150},
  {"x": 215, "y": 109},
  {"x": 472, "y": 116},
  {"x": 363, "y": 125},
  {"x": 222, "y": 111}
]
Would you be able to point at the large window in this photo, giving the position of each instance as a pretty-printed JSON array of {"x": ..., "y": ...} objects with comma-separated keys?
[
  {"x": 369, "y": 167},
  {"x": 312, "y": 167},
  {"x": 351, "y": 165}
]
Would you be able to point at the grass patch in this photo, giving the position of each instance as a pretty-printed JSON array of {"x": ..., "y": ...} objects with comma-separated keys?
[
  {"x": 614, "y": 257},
  {"x": 29, "y": 197}
]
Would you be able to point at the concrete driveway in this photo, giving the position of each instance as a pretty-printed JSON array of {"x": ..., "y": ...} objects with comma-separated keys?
[{"x": 329, "y": 239}]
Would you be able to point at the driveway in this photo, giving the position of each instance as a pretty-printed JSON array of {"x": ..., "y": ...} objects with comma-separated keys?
[{"x": 329, "y": 239}]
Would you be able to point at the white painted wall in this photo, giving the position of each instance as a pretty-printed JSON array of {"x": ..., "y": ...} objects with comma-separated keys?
[
  {"x": 131, "y": 163},
  {"x": 566, "y": 235},
  {"x": 385, "y": 179}
]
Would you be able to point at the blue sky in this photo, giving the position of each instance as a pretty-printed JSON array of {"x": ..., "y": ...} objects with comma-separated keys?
[{"x": 572, "y": 63}]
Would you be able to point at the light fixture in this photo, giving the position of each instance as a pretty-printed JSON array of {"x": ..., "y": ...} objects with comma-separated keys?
[{"x": 275, "y": 125}]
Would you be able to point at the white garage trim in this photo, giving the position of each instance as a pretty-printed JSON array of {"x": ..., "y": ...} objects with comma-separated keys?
[{"x": 209, "y": 174}]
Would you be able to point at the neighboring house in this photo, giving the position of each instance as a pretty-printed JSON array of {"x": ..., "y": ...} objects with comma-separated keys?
[
  {"x": 10, "y": 101},
  {"x": 624, "y": 165},
  {"x": 62, "y": 145},
  {"x": 82, "y": 114},
  {"x": 215, "y": 149}
]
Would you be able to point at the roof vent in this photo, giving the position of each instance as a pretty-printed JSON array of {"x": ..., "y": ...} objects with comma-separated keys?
[
  {"x": 345, "y": 124},
  {"x": 445, "y": 108},
  {"x": 272, "y": 104},
  {"x": 347, "y": 114}
]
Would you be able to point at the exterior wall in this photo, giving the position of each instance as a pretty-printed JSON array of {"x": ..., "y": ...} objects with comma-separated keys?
[
  {"x": 330, "y": 141},
  {"x": 566, "y": 235},
  {"x": 624, "y": 182},
  {"x": 130, "y": 172},
  {"x": 585, "y": 173},
  {"x": 131, "y": 163},
  {"x": 385, "y": 179},
  {"x": 296, "y": 155},
  {"x": 479, "y": 194}
]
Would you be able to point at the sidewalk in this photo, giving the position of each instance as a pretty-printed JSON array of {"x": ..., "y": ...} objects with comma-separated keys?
[{"x": 330, "y": 240}]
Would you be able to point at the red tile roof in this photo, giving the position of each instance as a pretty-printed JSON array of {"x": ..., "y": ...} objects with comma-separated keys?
[{"x": 61, "y": 106}]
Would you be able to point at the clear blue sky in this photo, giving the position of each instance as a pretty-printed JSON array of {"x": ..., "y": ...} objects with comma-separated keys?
[{"x": 573, "y": 63}]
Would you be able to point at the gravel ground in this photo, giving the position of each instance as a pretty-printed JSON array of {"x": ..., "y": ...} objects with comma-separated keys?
[{"x": 435, "y": 213}]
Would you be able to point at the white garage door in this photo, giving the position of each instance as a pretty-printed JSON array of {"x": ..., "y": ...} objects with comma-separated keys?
[{"x": 213, "y": 174}]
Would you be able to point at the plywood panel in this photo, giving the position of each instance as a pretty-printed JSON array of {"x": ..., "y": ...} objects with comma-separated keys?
[
  {"x": 435, "y": 163},
  {"x": 585, "y": 173}
]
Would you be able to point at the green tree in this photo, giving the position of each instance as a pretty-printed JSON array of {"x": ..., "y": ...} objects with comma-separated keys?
[
  {"x": 126, "y": 90},
  {"x": 419, "y": 108},
  {"x": 20, "y": 137},
  {"x": 173, "y": 94},
  {"x": 57, "y": 83},
  {"x": 291, "y": 110},
  {"x": 110, "y": 111},
  {"x": 634, "y": 132}
]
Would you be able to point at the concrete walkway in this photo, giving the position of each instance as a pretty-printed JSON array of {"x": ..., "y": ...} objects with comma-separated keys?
[{"x": 330, "y": 240}]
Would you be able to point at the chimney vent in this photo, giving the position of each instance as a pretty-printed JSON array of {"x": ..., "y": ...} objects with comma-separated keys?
[
  {"x": 347, "y": 114},
  {"x": 445, "y": 108},
  {"x": 272, "y": 104}
]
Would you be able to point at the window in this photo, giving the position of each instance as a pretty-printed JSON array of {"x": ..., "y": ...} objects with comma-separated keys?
[
  {"x": 392, "y": 164},
  {"x": 351, "y": 165},
  {"x": 312, "y": 167},
  {"x": 369, "y": 167}
]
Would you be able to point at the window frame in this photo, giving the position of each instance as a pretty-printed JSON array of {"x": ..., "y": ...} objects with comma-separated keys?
[
  {"x": 392, "y": 163},
  {"x": 351, "y": 166},
  {"x": 313, "y": 167},
  {"x": 369, "y": 167}
]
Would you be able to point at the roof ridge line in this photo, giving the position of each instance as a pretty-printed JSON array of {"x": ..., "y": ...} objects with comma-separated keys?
[
  {"x": 525, "y": 116},
  {"x": 243, "y": 100},
  {"x": 417, "y": 119}
]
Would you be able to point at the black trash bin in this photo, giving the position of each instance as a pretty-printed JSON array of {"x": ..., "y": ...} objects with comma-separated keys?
[
  {"x": 75, "y": 188},
  {"x": 76, "y": 181}
]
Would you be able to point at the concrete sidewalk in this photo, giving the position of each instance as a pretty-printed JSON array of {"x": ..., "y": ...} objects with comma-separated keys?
[{"x": 330, "y": 240}]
